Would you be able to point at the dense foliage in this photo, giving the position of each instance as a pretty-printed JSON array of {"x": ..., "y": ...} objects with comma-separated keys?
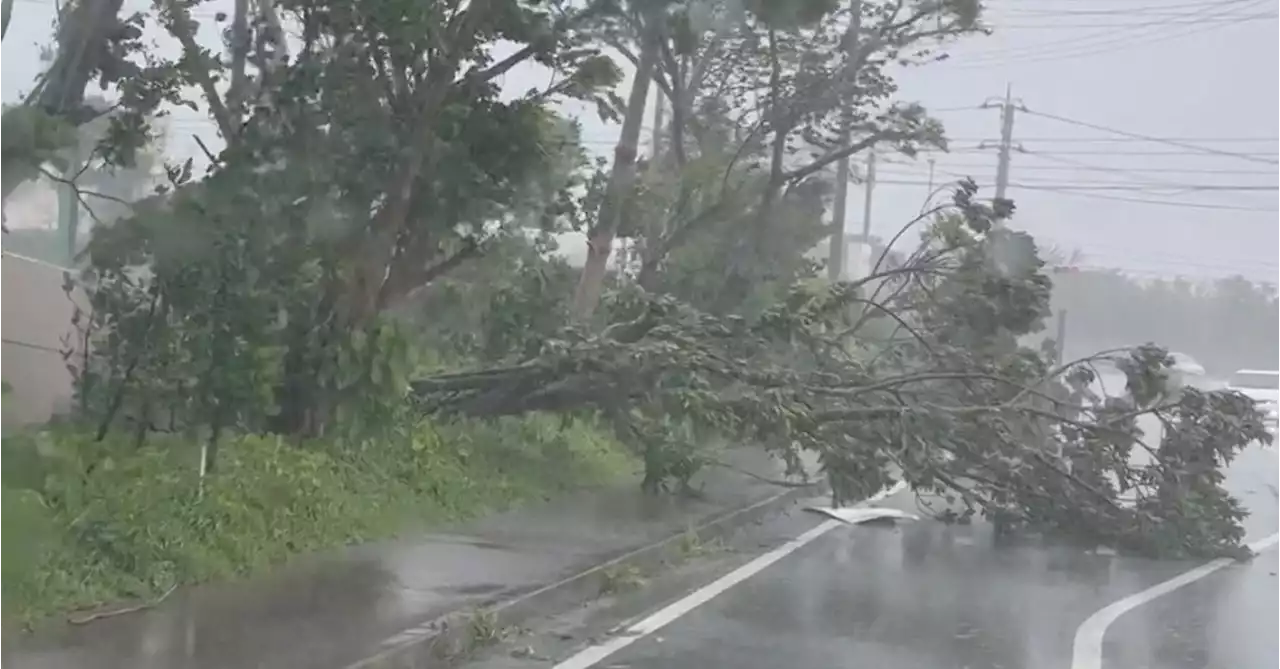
[
  {"x": 100, "y": 521},
  {"x": 951, "y": 403},
  {"x": 370, "y": 249}
]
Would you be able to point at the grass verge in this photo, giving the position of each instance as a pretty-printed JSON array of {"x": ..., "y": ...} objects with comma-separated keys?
[{"x": 88, "y": 522}]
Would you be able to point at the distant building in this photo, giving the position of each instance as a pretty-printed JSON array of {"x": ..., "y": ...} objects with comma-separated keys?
[{"x": 860, "y": 256}]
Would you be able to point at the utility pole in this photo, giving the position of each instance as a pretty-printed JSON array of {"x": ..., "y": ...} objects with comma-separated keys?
[
  {"x": 1007, "y": 107},
  {"x": 835, "y": 260},
  {"x": 69, "y": 208},
  {"x": 628, "y": 251},
  {"x": 869, "y": 188},
  {"x": 1061, "y": 327},
  {"x": 1006, "y": 138},
  {"x": 835, "y": 254},
  {"x": 838, "y": 241},
  {"x": 659, "y": 120},
  {"x": 632, "y": 251}
]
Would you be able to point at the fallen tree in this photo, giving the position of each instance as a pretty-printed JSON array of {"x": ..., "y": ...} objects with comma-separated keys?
[
  {"x": 268, "y": 294},
  {"x": 914, "y": 372}
]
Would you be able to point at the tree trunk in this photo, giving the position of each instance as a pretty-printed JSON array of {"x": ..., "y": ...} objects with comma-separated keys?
[
  {"x": 781, "y": 128},
  {"x": 749, "y": 248},
  {"x": 82, "y": 40},
  {"x": 621, "y": 182}
]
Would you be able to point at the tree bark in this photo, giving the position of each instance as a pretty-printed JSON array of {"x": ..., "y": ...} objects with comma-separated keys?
[
  {"x": 781, "y": 128},
  {"x": 621, "y": 181},
  {"x": 82, "y": 40},
  {"x": 239, "y": 58}
]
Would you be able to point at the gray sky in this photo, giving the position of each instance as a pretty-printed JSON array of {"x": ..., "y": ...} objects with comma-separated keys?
[{"x": 1200, "y": 73}]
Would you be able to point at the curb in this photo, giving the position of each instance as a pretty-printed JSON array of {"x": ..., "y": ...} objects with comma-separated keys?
[{"x": 444, "y": 641}]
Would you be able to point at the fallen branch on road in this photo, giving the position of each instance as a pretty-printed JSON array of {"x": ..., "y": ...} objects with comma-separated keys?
[{"x": 86, "y": 619}]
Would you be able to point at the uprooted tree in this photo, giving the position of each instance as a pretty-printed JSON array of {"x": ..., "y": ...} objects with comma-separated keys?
[
  {"x": 373, "y": 171},
  {"x": 914, "y": 373}
]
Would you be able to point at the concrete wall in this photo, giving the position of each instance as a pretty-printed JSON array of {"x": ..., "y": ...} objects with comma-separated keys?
[{"x": 36, "y": 316}]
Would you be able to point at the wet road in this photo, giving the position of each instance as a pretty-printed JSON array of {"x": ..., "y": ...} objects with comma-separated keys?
[
  {"x": 919, "y": 595},
  {"x": 334, "y": 609},
  {"x": 1226, "y": 620},
  {"x": 927, "y": 596}
]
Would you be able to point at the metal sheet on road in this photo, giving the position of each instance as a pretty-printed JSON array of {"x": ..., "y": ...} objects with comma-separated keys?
[{"x": 923, "y": 595}]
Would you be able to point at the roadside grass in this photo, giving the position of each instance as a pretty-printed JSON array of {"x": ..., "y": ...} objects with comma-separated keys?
[{"x": 88, "y": 523}]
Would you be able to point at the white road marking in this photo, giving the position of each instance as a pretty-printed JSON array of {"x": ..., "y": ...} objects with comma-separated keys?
[
  {"x": 1086, "y": 651},
  {"x": 592, "y": 655}
]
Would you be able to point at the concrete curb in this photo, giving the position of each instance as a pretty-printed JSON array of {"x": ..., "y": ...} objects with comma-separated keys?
[{"x": 444, "y": 641}]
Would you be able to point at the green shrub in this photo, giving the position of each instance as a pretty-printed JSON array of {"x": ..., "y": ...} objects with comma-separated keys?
[{"x": 88, "y": 522}]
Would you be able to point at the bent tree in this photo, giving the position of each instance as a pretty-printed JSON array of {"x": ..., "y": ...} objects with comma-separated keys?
[{"x": 374, "y": 161}]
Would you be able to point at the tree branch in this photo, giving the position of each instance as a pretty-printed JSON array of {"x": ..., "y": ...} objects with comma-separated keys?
[
  {"x": 182, "y": 27},
  {"x": 857, "y": 147}
]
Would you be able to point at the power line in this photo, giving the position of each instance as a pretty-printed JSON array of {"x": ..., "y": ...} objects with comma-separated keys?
[
  {"x": 1109, "y": 35},
  {"x": 1100, "y": 151},
  {"x": 1056, "y": 4},
  {"x": 1124, "y": 40},
  {"x": 1167, "y": 203},
  {"x": 1102, "y": 184},
  {"x": 1100, "y": 196},
  {"x": 1142, "y": 187},
  {"x": 1113, "y": 170},
  {"x": 1009, "y": 108},
  {"x": 944, "y": 110},
  {"x": 1076, "y": 166},
  {"x": 1126, "y": 11},
  {"x": 1152, "y": 188},
  {"x": 1108, "y": 41},
  {"x": 1058, "y": 25},
  {"x": 1113, "y": 152},
  {"x": 1158, "y": 140},
  {"x": 1089, "y": 140}
]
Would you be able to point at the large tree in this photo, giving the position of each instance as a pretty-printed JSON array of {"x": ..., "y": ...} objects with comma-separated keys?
[
  {"x": 359, "y": 164},
  {"x": 769, "y": 94},
  {"x": 376, "y": 156}
]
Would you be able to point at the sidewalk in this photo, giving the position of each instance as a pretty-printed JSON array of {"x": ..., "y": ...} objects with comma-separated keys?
[{"x": 329, "y": 612}]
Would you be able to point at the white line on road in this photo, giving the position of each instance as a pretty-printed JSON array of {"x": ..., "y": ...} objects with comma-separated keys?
[
  {"x": 592, "y": 655},
  {"x": 1086, "y": 651}
]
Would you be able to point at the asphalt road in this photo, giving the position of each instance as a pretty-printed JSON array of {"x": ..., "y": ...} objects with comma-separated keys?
[
  {"x": 335, "y": 608},
  {"x": 1227, "y": 620},
  {"x": 923, "y": 595}
]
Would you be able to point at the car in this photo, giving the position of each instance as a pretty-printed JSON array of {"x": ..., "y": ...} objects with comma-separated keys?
[
  {"x": 1186, "y": 364},
  {"x": 1186, "y": 371},
  {"x": 1263, "y": 386}
]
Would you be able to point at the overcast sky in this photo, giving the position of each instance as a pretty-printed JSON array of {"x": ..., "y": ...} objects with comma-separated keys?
[{"x": 1201, "y": 74}]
